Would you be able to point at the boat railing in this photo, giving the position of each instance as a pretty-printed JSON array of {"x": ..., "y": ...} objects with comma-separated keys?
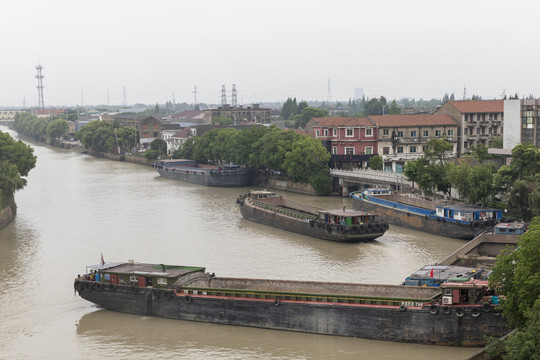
[
  {"x": 283, "y": 211},
  {"x": 327, "y": 298}
]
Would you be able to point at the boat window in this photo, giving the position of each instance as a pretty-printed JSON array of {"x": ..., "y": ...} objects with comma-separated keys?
[
  {"x": 133, "y": 278},
  {"x": 162, "y": 281}
]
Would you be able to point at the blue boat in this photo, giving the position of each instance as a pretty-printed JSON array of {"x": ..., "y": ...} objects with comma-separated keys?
[{"x": 452, "y": 220}]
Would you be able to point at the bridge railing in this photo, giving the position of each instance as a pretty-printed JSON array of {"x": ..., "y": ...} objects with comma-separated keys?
[{"x": 369, "y": 174}]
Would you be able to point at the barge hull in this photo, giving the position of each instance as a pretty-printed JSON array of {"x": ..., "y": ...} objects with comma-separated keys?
[
  {"x": 233, "y": 179},
  {"x": 264, "y": 217},
  {"x": 414, "y": 221},
  {"x": 415, "y": 325}
]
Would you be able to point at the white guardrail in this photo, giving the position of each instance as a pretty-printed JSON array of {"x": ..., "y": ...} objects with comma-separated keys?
[{"x": 368, "y": 174}]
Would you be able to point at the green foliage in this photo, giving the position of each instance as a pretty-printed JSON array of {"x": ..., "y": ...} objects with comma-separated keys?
[
  {"x": 496, "y": 142},
  {"x": 222, "y": 120},
  {"x": 375, "y": 106},
  {"x": 272, "y": 148},
  {"x": 127, "y": 138},
  {"x": 159, "y": 145},
  {"x": 98, "y": 136},
  {"x": 151, "y": 154},
  {"x": 516, "y": 276},
  {"x": 394, "y": 108},
  {"x": 321, "y": 182},
  {"x": 16, "y": 161},
  {"x": 307, "y": 156},
  {"x": 376, "y": 163},
  {"x": 186, "y": 151},
  {"x": 473, "y": 183},
  {"x": 289, "y": 109},
  {"x": 307, "y": 114},
  {"x": 31, "y": 126},
  {"x": 57, "y": 128},
  {"x": 430, "y": 171}
]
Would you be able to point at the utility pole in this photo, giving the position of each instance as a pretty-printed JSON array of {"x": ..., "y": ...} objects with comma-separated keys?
[{"x": 328, "y": 98}]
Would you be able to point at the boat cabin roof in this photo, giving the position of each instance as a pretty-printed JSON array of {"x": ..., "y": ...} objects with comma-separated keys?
[
  {"x": 377, "y": 191},
  {"x": 161, "y": 270},
  {"x": 470, "y": 284},
  {"x": 446, "y": 272},
  {"x": 345, "y": 213},
  {"x": 466, "y": 208},
  {"x": 513, "y": 228},
  {"x": 261, "y": 193}
]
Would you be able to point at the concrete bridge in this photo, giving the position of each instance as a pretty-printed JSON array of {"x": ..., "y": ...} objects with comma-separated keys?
[{"x": 357, "y": 179}]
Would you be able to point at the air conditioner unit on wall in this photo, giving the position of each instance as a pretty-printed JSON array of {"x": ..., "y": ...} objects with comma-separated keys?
[{"x": 447, "y": 300}]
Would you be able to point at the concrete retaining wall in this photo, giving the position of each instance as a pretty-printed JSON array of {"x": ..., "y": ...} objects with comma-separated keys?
[
  {"x": 6, "y": 216},
  {"x": 302, "y": 188}
]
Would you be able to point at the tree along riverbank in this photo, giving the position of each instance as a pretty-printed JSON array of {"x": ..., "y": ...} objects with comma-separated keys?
[{"x": 7, "y": 214}]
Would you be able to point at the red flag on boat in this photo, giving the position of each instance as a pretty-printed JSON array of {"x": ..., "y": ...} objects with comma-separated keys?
[
  {"x": 431, "y": 268},
  {"x": 103, "y": 262}
]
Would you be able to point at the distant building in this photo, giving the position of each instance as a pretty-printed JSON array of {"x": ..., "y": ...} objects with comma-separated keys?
[
  {"x": 358, "y": 93},
  {"x": 189, "y": 116},
  {"x": 351, "y": 141},
  {"x": 148, "y": 127},
  {"x": 478, "y": 120},
  {"x": 521, "y": 123},
  {"x": 403, "y": 137},
  {"x": 177, "y": 139},
  {"x": 239, "y": 114},
  {"x": 9, "y": 115}
]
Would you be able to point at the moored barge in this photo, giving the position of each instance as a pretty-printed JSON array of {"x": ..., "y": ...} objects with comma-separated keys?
[
  {"x": 208, "y": 175},
  {"x": 456, "y": 313},
  {"x": 265, "y": 207},
  {"x": 456, "y": 221}
]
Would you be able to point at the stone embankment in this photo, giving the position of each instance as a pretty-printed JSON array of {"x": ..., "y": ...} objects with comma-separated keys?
[{"x": 6, "y": 215}]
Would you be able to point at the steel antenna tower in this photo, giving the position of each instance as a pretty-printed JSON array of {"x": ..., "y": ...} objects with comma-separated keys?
[
  {"x": 40, "y": 76},
  {"x": 223, "y": 96},
  {"x": 195, "y": 103},
  {"x": 329, "y": 98},
  {"x": 234, "y": 101},
  {"x": 124, "y": 102}
]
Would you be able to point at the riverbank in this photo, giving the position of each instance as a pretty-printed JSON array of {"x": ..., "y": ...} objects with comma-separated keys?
[{"x": 7, "y": 215}]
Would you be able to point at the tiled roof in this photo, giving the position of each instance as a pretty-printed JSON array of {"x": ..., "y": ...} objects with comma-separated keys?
[
  {"x": 478, "y": 106},
  {"x": 412, "y": 120},
  {"x": 184, "y": 133},
  {"x": 342, "y": 122}
]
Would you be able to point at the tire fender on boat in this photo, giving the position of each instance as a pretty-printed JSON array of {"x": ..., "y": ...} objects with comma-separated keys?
[
  {"x": 369, "y": 227},
  {"x": 475, "y": 225},
  {"x": 460, "y": 312},
  {"x": 403, "y": 307},
  {"x": 277, "y": 301},
  {"x": 362, "y": 229},
  {"x": 88, "y": 285},
  {"x": 486, "y": 307},
  {"x": 188, "y": 299},
  {"x": 99, "y": 286},
  {"x": 168, "y": 295},
  {"x": 446, "y": 310},
  {"x": 385, "y": 226},
  {"x": 353, "y": 229},
  {"x": 377, "y": 227},
  {"x": 112, "y": 287},
  {"x": 433, "y": 309},
  {"x": 329, "y": 228},
  {"x": 342, "y": 229},
  {"x": 475, "y": 312}
]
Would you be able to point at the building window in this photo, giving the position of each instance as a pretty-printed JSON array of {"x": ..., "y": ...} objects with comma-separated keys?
[
  {"x": 413, "y": 133},
  {"x": 325, "y": 132},
  {"x": 399, "y": 134},
  {"x": 334, "y": 131},
  {"x": 386, "y": 150},
  {"x": 425, "y": 133},
  {"x": 133, "y": 278},
  {"x": 412, "y": 149},
  {"x": 437, "y": 133},
  {"x": 399, "y": 149},
  {"x": 369, "y": 132},
  {"x": 349, "y": 132},
  {"x": 385, "y": 132},
  {"x": 317, "y": 133},
  {"x": 334, "y": 150},
  {"x": 162, "y": 281},
  {"x": 424, "y": 148},
  {"x": 369, "y": 150},
  {"x": 349, "y": 151},
  {"x": 450, "y": 132}
]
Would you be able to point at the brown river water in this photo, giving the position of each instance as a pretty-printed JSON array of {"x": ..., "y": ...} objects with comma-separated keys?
[{"x": 76, "y": 207}]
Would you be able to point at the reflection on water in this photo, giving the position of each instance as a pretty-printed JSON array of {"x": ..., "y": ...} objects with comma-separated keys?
[
  {"x": 76, "y": 207},
  {"x": 101, "y": 331}
]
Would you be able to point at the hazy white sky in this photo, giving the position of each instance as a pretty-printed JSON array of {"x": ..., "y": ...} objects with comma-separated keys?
[{"x": 271, "y": 50}]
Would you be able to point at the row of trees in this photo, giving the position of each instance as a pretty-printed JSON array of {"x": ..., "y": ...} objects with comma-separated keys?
[
  {"x": 16, "y": 161},
  {"x": 479, "y": 181},
  {"x": 40, "y": 129},
  {"x": 303, "y": 158},
  {"x": 301, "y": 113},
  {"x": 105, "y": 136}
]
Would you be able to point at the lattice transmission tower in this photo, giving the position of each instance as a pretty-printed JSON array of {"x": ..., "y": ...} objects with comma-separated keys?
[
  {"x": 40, "y": 76},
  {"x": 234, "y": 100},
  {"x": 223, "y": 96}
]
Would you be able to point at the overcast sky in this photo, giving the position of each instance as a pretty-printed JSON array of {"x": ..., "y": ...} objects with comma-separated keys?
[{"x": 271, "y": 50}]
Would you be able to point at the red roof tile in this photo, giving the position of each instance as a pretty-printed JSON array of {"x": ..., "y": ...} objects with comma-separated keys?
[
  {"x": 342, "y": 122},
  {"x": 478, "y": 106},
  {"x": 412, "y": 120}
]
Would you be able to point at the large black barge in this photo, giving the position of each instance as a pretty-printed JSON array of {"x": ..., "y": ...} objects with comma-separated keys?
[
  {"x": 265, "y": 207},
  {"x": 456, "y": 221},
  {"x": 456, "y": 313},
  {"x": 208, "y": 175}
]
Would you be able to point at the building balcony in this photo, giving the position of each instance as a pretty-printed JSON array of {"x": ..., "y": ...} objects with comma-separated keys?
[{"x": 471, "y": 124}]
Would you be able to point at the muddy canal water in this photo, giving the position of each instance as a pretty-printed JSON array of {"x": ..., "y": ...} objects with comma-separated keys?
[{"x": 76, "y": 207}]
